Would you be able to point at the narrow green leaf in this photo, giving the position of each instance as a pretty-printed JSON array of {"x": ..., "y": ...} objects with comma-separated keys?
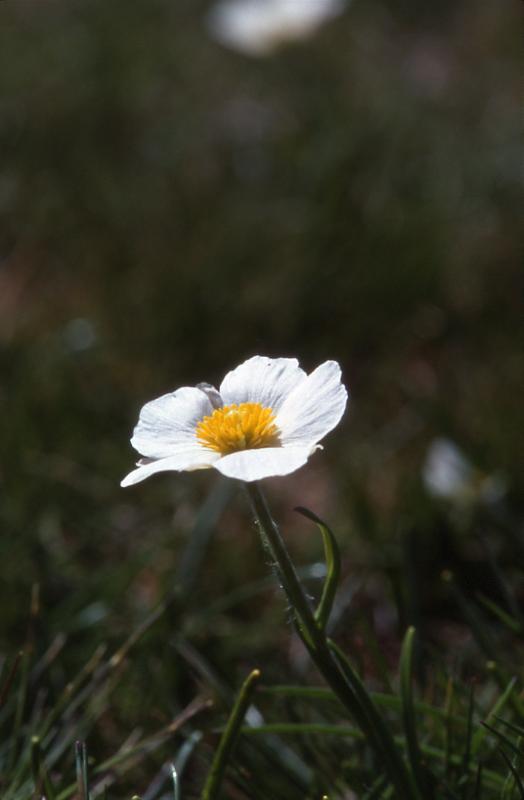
[
  {"x": 497, "y": 708},
  {"x": 81, "y": 770},
  {"x": 20, "y": 706},
  {"x": 477, "y": 790},
  {"x": 377, "y": 790},
  {"x": 408, "y": 714},
  {"x": 381, "y": 699},
  {"x": 332, "y": 556},
  {"x": 381, "y": 731},
  {"x": 479, "y": 629},
  {"x": 41, "y": 780},
  {"x": 494, "y": 780},
  {"x": 6, "y": 686},
  {"x": 176, "y": 783},
  {"x": 36, "y": 765},
  {"x": 320, "y": 728},
  {"x": 483, "y": 636},
  {"x": 229, "y": 737},
  {"x": 504, "y": 586},
  {"x": 129, "y": 755},
  {"x": 509, "y": 621},
  {"x": 513, "y": 770},
  {"x": 467, "y": 745},
  {"x": 503, "y": 739},
  {"x": 518, "y": 729},
  {"x": 70, "y": 696},
  {"x": 181, "y": 759},
  {"x": 448, "y": 727}
]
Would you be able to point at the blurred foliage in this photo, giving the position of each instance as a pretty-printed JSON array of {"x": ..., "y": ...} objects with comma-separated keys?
[{"x": 169, "y": 208}]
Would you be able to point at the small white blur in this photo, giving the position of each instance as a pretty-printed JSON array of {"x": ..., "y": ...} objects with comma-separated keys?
[
  {"x": 448, "y": 474},
  {"x": 259, "y": 27}
]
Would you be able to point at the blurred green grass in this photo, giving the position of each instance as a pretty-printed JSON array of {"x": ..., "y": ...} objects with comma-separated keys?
[{"x": 170, "y": 208}]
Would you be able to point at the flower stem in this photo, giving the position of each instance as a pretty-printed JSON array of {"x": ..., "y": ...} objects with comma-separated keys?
[
  {"x": 337, "y": 672},
  {"x": 274, "y": 543}
]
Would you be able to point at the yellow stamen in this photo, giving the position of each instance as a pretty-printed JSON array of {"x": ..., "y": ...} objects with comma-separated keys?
[{"x": 238, "y": 427}]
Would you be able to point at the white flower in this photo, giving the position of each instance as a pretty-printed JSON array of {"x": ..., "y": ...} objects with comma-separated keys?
[
  {"x": 266, "y": 419},
  {"x": 258, "y": 27},
  {"x": 447, "y": 473}
]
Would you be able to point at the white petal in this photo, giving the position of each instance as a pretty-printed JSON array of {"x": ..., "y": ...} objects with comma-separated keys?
[
  {"x": 267, "y": 381},
  {"x": 195, "y": 457},
  {"x": 257, "y": 27},
  {"x": 314, "y": 407},
  {"x": 243, "y": 25},
  {"x": 253, "y": 465},
  {"x": 167, "y": 425}
]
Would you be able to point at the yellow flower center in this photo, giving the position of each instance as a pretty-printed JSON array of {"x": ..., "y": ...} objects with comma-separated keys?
[{"x": 238, "y": 427}]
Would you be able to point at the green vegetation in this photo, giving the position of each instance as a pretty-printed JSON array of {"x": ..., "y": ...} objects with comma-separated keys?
[{"x": 169, "y": 208}]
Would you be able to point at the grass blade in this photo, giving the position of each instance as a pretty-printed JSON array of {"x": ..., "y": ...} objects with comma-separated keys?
[
  {"x": 477, "y": 791},
  {"x": 377, "y": 790},
  {"x": 493, "y": 779},
  {"x": 448, "y": 725},
  {"x": 499, "y": 705},
  {"x": 518, "y": 729},
  {"x": 467, "y": 748},
  {"x": 503, "y": 739},
  {"x": 513, "y": 770},
  {"x": 6, "y": 686},
  {"x": 176, "y": 783},
  {"x": 41, "y": 780},
  {"x": 81, "y": 770},
  {"x": 229, "y": 737},
  {"x": 510, "y": 622},
  {"x": 483, "y": 636},
  {"x": 408, "y": 714},
  {"x": 381, "y": 699},
  {"x": 19, "y": 708},
  {"x": 381, "y": 732}
]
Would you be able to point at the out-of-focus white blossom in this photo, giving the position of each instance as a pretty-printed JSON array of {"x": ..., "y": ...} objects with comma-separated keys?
[
  {"x": 447, "y": 473},
  {"x": 258, "y": 27}
]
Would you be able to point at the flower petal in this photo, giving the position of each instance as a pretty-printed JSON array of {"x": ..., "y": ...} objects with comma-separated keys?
[
  {"x": 195, "y": 457},
  {"x": 167, "y": 425},
  {"x": 257, "y": 27},
  {"x": 267, "y": 381},
  {"x": 314, "y": 407},
  {"x": 253, "y": 465}
]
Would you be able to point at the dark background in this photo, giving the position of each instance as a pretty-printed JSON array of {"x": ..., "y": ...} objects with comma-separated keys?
[{"x": 170, "y": 208}]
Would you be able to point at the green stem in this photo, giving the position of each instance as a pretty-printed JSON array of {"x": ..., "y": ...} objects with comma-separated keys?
[
  {"x": 274, "y": 543},
  {"x": 343, "y": 681}
]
